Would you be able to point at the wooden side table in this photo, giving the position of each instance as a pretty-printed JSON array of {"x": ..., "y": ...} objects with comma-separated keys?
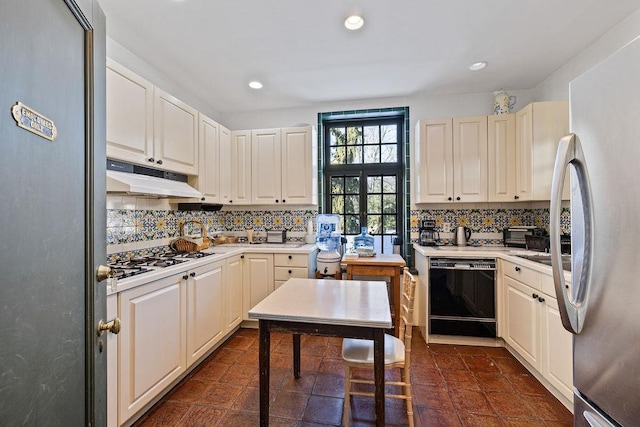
[{"x": 380, "y": 265}]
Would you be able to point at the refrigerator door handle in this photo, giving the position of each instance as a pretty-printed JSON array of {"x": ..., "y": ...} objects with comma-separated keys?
[
  {"x": 595, "y": 420},
  {"x": 572, "y": 308}
]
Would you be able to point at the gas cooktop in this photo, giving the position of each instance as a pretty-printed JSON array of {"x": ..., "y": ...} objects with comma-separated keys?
[{"x": 140, "y": 265}]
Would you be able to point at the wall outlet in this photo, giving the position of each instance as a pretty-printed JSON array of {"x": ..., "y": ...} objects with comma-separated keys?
[{"x": 446, "y": 227}]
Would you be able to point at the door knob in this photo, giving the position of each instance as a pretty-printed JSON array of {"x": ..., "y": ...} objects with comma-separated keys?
[
  {"x": 112, "y": 326},
  {"x": 103, "y": 272}
]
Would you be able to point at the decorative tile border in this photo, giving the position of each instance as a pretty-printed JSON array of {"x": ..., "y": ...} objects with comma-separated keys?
[{"x": 129, "y": 226}]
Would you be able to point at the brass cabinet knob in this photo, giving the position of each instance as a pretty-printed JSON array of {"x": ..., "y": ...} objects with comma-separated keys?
[{"x": 112, "y": 326}]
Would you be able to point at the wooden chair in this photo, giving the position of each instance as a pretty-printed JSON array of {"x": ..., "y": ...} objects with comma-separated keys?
[{"x": 358, "y": 354}]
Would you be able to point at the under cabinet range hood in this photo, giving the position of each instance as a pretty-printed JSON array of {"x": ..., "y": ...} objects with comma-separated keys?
[{"x": 125, "y": 178}]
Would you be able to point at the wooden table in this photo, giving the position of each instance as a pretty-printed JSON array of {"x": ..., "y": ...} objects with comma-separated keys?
[
  {"x": 347, "y": 309},
  {"x": 380, "y": 265}
]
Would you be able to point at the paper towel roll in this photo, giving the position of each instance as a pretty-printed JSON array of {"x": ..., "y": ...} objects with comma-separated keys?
[{"x": 310, "y": 227}]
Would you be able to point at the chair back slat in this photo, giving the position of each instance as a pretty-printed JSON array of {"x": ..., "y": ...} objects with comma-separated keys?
[{"x": 406, "y": 310}]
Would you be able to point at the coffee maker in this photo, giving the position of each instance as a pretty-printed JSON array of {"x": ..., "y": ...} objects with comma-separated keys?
[{"x": 428, "y": 235}]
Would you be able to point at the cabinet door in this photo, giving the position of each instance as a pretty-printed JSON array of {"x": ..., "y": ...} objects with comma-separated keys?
[
  {"x": 205, "y": 310},
  {"x": 501, "y": 136},
  {"x": 266, "y": 167},
  {"x": 434, "y": 161},
  {"x": 175, "y": 134},
  {"x": 152, "y": 352},
  {"x": 209, "y": 170},
  {"x": 524, "y": 153},
  {"x": 470, "y": 159},
  {"x": 557, "y": 348},
  {"x": 225, "y": 161},
  {"x": 129, "y": 115},
  {"x": 257, "y": 279},
  {"x": 233, "y": 292},
  {"x": 522, "y": 320},
  {"x": 299, "y": 166},
  {"x": 240, "y": 168}
]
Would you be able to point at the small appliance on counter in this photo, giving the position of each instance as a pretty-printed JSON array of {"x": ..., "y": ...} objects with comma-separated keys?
[
  {"x": 516, "y": 236},
  {"x": 328, "y": 239},
  {"x": 428, "y": 234},
  {"x": 276, "y": 236},
  {"x": 462, "y": 236}
]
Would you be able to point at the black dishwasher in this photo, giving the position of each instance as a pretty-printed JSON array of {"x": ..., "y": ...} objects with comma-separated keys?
[{"x": 462, "y": 297}]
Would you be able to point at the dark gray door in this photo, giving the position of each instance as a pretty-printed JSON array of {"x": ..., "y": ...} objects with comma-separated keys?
[{"x": 50, "y": 363}]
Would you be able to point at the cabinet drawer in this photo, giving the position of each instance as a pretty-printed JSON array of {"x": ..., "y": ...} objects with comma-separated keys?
[
  {"x": 548, "y": 287},
  {"x": 522, "y": 274},
  {"x": 291, "y": 260},
  {"x": 286, "y": 273}
]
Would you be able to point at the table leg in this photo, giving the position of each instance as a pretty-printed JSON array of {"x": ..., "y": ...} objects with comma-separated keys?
[
  {"x": 395, "y": 289},
  {"x": 378, "y": 374},
  {"x": 264, "y": 345},
  {"x": 296, "y": 355}
]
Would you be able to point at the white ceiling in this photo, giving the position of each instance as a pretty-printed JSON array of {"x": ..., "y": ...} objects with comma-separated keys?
[{"x": 303, "y": 54}]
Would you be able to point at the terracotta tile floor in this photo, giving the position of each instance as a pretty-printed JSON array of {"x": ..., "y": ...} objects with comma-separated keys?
[{"x": 452, "y": 386}]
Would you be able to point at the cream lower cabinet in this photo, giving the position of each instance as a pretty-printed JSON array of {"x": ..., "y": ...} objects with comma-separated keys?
[
  {"x": 257, "y": 279},
  {"x": 233, "y": 292},
  {"x": 205, "y": 309},
  {"x": 152, "y": 342},
  {"x": 532, "y": 326},
  {"x": 288, "y": 266}
]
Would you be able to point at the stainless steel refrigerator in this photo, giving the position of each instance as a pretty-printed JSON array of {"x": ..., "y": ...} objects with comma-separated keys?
[{"x": 602, "y": 309}]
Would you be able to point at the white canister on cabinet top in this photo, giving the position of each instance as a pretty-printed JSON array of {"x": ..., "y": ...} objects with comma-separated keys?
[{"x": 503, "y": 102}]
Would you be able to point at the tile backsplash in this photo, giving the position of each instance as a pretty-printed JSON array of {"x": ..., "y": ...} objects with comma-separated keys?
[
  {"x": 138, "y": 224},
  {"x": 486, "y": 224}
]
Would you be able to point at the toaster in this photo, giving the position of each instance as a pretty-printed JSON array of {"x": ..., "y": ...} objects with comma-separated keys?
[{"x": 276, "y": 236}]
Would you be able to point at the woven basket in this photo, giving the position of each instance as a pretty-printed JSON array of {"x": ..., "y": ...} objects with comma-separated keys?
[{"x": 184, "y": 245}]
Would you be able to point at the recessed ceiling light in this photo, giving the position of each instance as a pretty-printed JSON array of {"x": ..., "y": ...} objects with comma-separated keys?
[
  {"x": 255, "y": 85},
  {"x": 477, "y": 66},
  {"x": 354, "y": 22}
]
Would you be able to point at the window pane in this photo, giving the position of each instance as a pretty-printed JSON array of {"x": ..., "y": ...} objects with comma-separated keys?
[
  {"x": 371, "y": 135},
  {"x": 354, "y": 154},
  {"x": 389, "y": 133},
  {"x": 372, "y": 154},
  {"x": 389, "y": 154},
  {"x": 389, "y": 184},
  {"x": 354, "y": 135},
  {"x": 389, "y": 205},
  {"x": 373, "y": 184},
  {"x": 374, "y": 203},
  {"x": 352, "y": 225},
  {"x": 390, "y": 224},
  {"x": 353, "y": 185},
  {"x": 337, "y": 185},
  {"x": 337, "y": 204},
  {"x": 374, "y": 224},
  {"x": 338, "y": 155},
  {"x": 337, "y": 136},
  {"x": 352, "y": 204}
]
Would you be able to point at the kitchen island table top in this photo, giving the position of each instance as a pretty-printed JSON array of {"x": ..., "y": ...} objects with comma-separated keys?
[{"x": 341, "y": 308}]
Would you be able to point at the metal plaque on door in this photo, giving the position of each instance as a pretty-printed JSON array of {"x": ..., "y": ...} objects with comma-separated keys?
[{"x": 29, "y": 119}]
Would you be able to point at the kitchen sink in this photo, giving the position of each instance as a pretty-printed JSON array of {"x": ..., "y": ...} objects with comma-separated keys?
[{"x": 545, "y": 259}]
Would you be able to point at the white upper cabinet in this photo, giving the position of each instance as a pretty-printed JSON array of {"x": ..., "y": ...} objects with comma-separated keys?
[
  {"x": 539, "y": 128},
  {"x": 470, "y": 159},
  {"x": 434, "y": 161},
  {"x": 501, "y": 135},
  {"x": 175, "y": 134},
  {"x": 208, "y": 182},
  {"x": 299, "y": 165},
  {"x": 240, "y": 173},
  {"x": 129, "y": 115},
  {"x": 266, "y": 167},
  {"x": 147, "y": 126},
  {"x": 451, "y": 160},
  {"x": 224, "y": 164}
]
